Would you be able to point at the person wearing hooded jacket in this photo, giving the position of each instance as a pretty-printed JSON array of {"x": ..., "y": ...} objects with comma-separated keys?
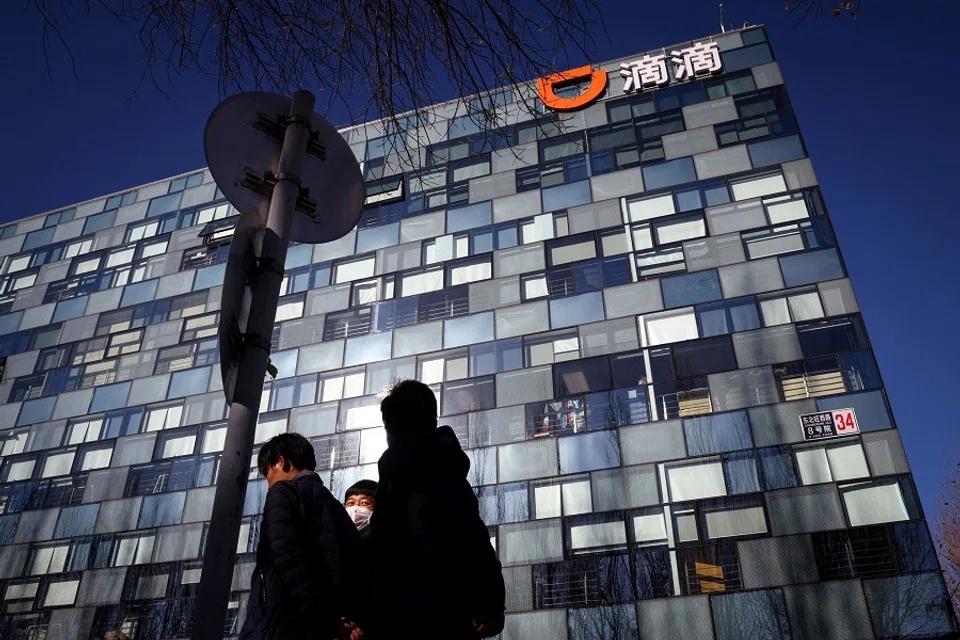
[
  {"x": 311, "y": 580},
  {"x": 436, "y": 574}
]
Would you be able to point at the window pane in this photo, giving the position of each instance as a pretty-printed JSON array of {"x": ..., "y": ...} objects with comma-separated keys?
[
  {"x": 717, "y": 433},
  {"x": 691, "y": 288},
  {"x": 668, "y": 174},
  {"x": 565, "y": 196}
]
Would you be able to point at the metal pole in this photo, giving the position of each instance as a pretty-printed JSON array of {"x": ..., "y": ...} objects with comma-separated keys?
[{"x": 221, "y": 541}]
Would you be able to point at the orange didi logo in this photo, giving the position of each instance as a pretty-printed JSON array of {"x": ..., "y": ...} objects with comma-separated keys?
[{"x": 547, "y": 86}]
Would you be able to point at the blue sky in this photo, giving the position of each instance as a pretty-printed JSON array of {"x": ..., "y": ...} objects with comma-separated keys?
[{"x": 872, "y": 100}]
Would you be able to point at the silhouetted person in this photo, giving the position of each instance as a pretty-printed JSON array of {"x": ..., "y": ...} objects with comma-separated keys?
[
  {"x": 306, "y": 584},
  {"x": 437, "y": 575}
]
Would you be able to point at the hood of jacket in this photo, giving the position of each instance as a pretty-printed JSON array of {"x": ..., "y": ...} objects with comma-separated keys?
[{"x": 437, "y": 453}]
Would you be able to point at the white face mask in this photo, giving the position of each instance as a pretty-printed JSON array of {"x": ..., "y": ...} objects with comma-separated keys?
[{"x": 360, "y": 516}]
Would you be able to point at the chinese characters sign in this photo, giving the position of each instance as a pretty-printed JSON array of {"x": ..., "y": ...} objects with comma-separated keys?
[
  {"x": 829, "y": 424},
  {"x": 650, "y": 72}
]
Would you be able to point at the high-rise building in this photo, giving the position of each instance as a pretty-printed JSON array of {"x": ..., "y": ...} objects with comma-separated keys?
[{"x": 629, "y": 301}]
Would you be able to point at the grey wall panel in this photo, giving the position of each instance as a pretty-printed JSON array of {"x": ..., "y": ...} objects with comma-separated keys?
[
  {"x": 530, "y": 542},
  {"x": 596, "y": 215},
  {"x": 779, "y": 423},
  {"x": 885, "y": 452},
  {"x": 536, "y": 624},
  {"x": 767, "y": 346},
  {"x": 523, "y": 155},
  {"x": 624, "y": 488},
  {"x": 674, "y": 618},
  {"x": 521, "y": 205},
  {"x": 743, "y": 388},
  {"x": 804, "y": 509},
  {"x": 707, "y": 113},
  {"x": 689, "y": 142},
  {"x": 525, "y": 385},
  {"x": 652, "y": 442},
  {"x": 838, "y": 297},
  {"x": 749, "y": 278},
  {"x": 767, "y": 75},
  {"x": 799, "y": 174},
  {"x": 736, "y": 216},
  {"x": 493, "y": 186},
  {"x": 709, "y": 253},
  {"x": 770, "y": 562},
  {"x": 633, "y": 299},
  {"x": 616, "y": 184},
  {"x": 611, "y": 336},
  {"x": 828, "y": 611},
  {"x": 722, "y": 162}
]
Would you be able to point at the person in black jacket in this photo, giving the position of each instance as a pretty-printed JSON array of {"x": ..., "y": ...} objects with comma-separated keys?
[
  {"x": 309, "y": 582},
  {"x": 437, "y": 575}
]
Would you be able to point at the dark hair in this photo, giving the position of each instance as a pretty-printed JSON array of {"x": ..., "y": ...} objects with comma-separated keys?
[
  {"x": 293, "y": 447},
  {"x": 410, "y": 406},
  {"x": 362, "y": 488}
]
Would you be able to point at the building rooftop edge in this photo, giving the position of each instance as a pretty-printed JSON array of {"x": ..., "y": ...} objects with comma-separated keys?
[{"x": 352, "y": 128}]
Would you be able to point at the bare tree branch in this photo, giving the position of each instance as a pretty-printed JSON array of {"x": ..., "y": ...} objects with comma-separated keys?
[
  {"x": 816, "y": 8},
  {"x": 371, "y": 59},
  {"x": 948, "y": 535}
]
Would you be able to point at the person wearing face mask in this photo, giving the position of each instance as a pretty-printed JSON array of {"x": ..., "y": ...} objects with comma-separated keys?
[
  {"x": 359, "y": 502},
  {"x": 310, "y": 581}
]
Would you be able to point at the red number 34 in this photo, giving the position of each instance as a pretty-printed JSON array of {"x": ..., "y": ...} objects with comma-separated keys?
[{"x": 844, "y": 421}]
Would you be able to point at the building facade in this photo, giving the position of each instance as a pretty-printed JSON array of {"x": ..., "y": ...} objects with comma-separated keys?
[{"x": 632, "y": 308}]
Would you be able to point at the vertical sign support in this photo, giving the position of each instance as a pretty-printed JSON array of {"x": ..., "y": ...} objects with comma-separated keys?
[{"x": 221, "y": 541}]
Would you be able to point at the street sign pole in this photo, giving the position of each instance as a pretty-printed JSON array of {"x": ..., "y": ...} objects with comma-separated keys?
[{"x": 221, "y": 541}]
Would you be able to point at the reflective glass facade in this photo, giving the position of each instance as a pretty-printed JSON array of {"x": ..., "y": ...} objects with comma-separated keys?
[{"x": 623, "y": 310}]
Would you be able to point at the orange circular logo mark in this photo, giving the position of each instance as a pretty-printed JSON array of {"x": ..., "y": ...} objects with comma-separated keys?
[{"x": 547, "y": 84}]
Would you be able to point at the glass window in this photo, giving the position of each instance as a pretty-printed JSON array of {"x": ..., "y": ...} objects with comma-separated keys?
[
  {"x": 678, "y": 229},
  {"x": 465, "y": 396},
  {"x": 910, "y": 606},
  {"x": 746, "y": 57},
  {"x": 571, "y": 249},
  {"x": 562, "y": 147},
  {"x": 703, "y": 357},
  {"x": 470, "y": 270},
  {"x": 727, "y": 316},
  {"x": 568, "y": 497},
  {"x": 161, "y": 510},
  {"x": 813, "y": 266},
  {"x": 878, "y": 501},
  {"x": 418, "y": 282},
  {"x": 576, "y": 310},
  {"x": 589, "y": 452},
  {"x": 729, "y": 85},
  {"x": 111, "y": 397},
  {"x": 660, "y": 124},
  {"x": 350, "y": 270},
  {"x": 567, "y": 195},
  {"x": 717, "y": 433},
  {"x": 695, "y": 481},
  {"x": 837, "y": 462},
  {"x": 466, "y": 330},
  {"x": 475, "y": 215},
  {"x": 38, "y": 238},
  {"x": 736, "y": 614},
  {"x": 836, "y": 335},
  {"x": 582, "y": 376},
  {"x": 691, "y": 288},
  {"x": 189, "y": 382},
  {"x": 57, "y": 464},
  {"x": 679, "y": 95},
  {"x": 757, "y": 185},
  {"x": 668, "y": 327},
  {"x": 668, "y": 174},
  {"x": 369, "y": 348}
]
